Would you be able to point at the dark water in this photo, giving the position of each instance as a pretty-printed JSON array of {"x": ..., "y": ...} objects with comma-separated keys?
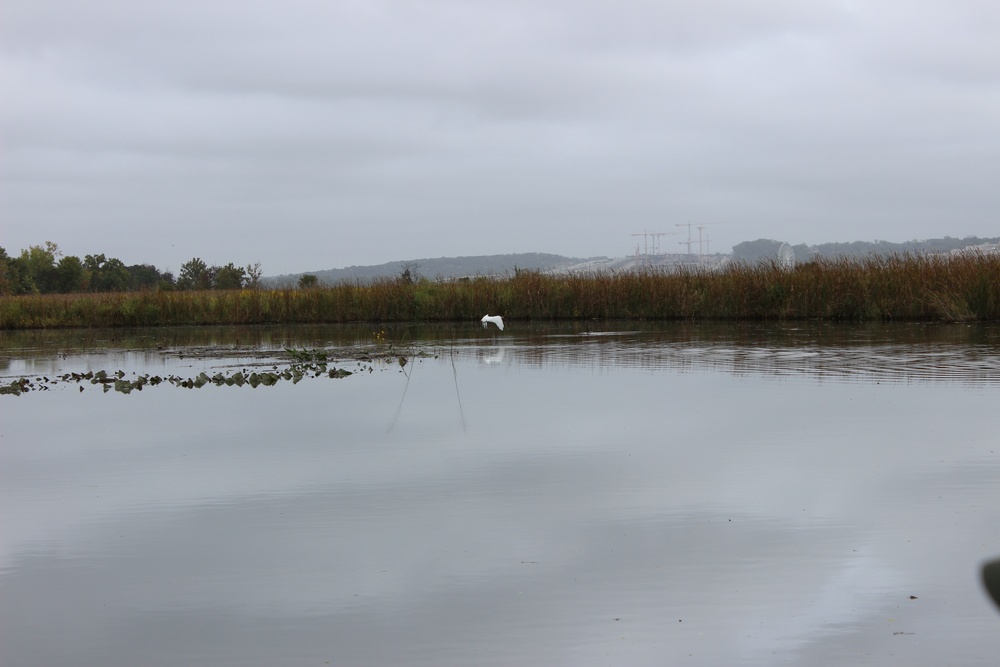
[{"x": 556, "y": 495}]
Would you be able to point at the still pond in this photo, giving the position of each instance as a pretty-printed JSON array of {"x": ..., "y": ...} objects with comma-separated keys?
[{"x": 672, "y": 494}]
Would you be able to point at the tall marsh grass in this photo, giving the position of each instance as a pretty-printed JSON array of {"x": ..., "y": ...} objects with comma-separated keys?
[{"x": 965, "y": 288}]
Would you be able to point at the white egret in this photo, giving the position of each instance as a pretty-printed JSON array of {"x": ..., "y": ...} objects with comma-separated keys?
[{"x": 495, "y": 319}]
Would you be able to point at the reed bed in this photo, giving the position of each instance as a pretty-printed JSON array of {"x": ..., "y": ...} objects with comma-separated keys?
[{"x": 929, "y": 288}]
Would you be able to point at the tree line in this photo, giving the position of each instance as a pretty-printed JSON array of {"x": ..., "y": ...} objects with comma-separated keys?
[{"x": 44, "y": 269}]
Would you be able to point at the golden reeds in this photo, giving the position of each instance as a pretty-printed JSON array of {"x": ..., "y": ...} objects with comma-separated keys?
[{"x": 963, "y": 288}]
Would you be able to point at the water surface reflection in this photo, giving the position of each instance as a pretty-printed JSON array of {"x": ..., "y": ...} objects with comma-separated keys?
[{"x": 555, "y": 496}]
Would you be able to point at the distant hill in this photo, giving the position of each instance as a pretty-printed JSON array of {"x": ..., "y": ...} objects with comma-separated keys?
[
  {"x": 443, "y": 268},
  {"x": 437, "y": 268}
]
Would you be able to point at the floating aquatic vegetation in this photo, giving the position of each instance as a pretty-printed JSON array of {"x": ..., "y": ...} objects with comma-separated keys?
[
  {"x": 307, "y": 356},
  {"x": 305, "y": 364},
  {"x": 16, "y": 387},
  {"x": 125, "y": 385}
]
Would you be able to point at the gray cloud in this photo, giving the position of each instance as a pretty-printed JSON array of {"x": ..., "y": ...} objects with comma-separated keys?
[{"x": 312, "y": 135}]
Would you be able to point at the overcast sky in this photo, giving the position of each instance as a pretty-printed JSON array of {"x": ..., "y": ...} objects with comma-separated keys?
[{"x": 312, "y": 134}]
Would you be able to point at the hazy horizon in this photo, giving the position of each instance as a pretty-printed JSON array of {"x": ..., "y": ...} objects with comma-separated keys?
[{"x": 298, "y": 271}]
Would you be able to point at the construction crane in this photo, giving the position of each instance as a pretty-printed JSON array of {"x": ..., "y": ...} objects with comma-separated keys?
[
  {"x": 701, "y": 239},
  {"x": 688, "y": 242},
  {"x": 646, "y": 243}
]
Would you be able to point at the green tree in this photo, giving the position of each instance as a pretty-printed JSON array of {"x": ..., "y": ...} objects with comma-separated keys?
[
  {"x": 195, "y": 275},
  {"x": 147, "y": 277},
  {"x": 308, "y": 280},
  {"x": 71, "y": 275},
  {"x": 38, "y": 265},
  {"x": 24, "y": 284},
  {"x": 6, "y": 279},
  {"x": 106, "y": 274},
  {"x": 18, "y": 279},
  {"x": 230, "y": 277}
]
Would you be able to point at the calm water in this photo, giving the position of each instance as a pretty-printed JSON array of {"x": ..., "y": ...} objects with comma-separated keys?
[{"x": 563, "y": 495}]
